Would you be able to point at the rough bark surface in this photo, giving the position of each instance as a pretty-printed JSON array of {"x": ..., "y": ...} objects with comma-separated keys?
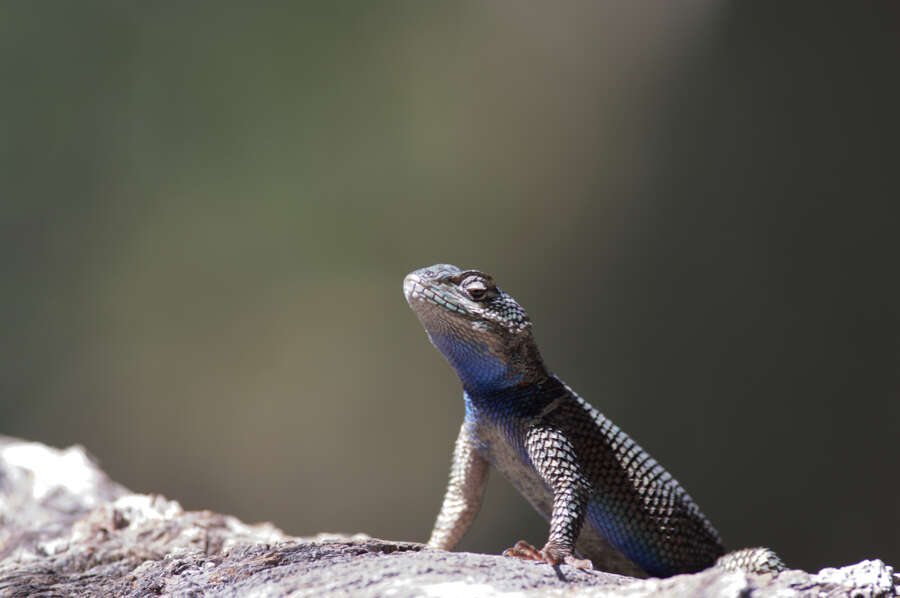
[{"x": 66, "y": 529}]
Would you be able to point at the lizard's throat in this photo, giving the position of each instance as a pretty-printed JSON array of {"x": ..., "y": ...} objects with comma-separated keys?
[{"x": 483, "y": 369}]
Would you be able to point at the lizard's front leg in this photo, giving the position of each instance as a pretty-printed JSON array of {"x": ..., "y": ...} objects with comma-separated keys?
[
  {"x": 468, "y": 477},
  {"x": 555, "y": 460}
]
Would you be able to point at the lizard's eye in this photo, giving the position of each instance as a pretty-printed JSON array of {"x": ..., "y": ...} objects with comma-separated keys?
[{"x": 478, "y": 290}]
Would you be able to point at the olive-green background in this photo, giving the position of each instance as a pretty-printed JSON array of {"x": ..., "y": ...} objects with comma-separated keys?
[{"x": 208, "y": 210}]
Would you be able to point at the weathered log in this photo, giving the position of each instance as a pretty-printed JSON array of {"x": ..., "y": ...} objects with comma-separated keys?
[{"x": 66, "y": 529}]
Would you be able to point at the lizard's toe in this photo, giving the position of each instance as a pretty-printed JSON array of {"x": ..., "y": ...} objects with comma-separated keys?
[
  {"x": 578, "y": 563},
  {"x": 556, "y": 554},
  {"x": 524, "y": 550}
]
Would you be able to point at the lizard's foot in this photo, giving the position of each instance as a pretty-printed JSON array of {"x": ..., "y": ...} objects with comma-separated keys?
[
  {"x": 552, "y": 554},
  {"x": 524, "y": 550}
]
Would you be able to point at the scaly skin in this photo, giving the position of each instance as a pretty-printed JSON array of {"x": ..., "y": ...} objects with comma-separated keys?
[{"x": 603, "y": 495}]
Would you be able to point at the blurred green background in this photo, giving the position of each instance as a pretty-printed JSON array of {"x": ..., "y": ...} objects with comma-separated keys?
[{"x": 208, "y": 210}]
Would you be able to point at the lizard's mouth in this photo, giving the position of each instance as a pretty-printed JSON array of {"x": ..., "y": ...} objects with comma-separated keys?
[{"x": 409, "y": 286}]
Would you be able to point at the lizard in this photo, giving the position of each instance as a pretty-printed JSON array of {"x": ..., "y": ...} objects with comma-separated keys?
[{"x": 606, "y": 499}]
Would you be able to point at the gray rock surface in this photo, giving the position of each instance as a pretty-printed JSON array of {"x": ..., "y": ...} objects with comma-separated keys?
[{"x": 66, "y": 529}]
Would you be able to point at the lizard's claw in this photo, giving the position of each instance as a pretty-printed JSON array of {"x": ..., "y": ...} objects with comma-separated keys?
[{"x": 552, "y": 554}]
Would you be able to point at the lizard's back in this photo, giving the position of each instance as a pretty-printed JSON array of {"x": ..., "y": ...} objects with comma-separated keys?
[{"x": 639, "y": 520}]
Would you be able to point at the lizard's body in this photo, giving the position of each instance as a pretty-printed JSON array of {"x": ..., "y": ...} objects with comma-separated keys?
[{"x": 580, "y": 471}]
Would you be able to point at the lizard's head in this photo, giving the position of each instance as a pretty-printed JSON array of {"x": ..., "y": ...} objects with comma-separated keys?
[{"x": 482, "y": 331}]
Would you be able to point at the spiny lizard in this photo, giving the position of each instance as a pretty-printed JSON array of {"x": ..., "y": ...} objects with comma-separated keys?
[{"x": 604, "y": 496}]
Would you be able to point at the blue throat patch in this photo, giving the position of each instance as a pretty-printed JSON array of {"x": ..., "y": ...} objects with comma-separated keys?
[{"x": 480, "y": 372}]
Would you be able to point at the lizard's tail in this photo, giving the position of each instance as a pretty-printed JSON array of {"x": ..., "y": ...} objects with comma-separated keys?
[{"x": 753, "y": 560}]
